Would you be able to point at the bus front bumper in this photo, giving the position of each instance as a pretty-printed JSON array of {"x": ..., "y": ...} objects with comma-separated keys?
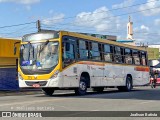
[{"x": 56, "y": 82}]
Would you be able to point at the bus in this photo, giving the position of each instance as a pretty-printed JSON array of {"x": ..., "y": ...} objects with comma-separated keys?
[
  {"x": 55, "y": 60},
  {"x": 9, "y": 53}
]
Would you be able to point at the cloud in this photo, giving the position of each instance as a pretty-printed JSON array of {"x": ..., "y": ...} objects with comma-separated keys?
[
  {"x": 146, "y": 34},
  {"x": 123, "y": 4},
  {"x": 141, "y": 29},
  {"x": 100, "y": 19},
  {"x": 153, "y": 6},
  {"x": 144, "y": 28},
  {"x": 53, "y": 20},
  {"x": 26, "y": 2},
  {"x": 157, "y": 22}
]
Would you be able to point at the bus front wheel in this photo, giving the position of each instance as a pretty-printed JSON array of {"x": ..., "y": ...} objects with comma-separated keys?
[
  {"x": 48, "y": 91},
  {"x": 82, "y": 89}
]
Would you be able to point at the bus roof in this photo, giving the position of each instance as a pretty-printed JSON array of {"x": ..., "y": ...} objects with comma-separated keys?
[
  {"x": 101, "y": 40},
  {"x": 87, "y": 37}
]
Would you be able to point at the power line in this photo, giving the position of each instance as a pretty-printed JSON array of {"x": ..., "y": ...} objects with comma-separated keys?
[
  {"x": 108, "y": 31},
  {"x": 17, "y": 25},
  {"x": 113, "y": 31},
  {"x": 108, "y": 10},
  {"x": 91, "y": 13},
  {"x": 94, "y": 13},
  {"x": 111, "y": 16},
  {"x": 19, "y": 30}
]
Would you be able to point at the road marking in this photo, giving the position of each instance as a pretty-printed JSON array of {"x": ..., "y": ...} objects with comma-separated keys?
[
  {"x": 146, "y": 102},
  {"x": 31, "y": 102},
  {"x": 94, "y": 110}
]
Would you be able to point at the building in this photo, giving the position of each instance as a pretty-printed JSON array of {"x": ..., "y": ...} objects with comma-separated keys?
[
  {"x": 9, "y": 53},
  {"x": 155, "y": 46},
  {"x": 153, "y": 53},
  {"x": 129, "y": 40},
  {"x": 105, "y": 37}
]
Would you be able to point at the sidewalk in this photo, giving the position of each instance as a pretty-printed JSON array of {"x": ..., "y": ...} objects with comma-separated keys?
[{"x": 20, "y": 92}]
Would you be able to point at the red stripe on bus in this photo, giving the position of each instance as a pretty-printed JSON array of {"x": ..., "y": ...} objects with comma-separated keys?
[
  {"x": 91, "y": 63},
  {"x": 146, "y": 69}
]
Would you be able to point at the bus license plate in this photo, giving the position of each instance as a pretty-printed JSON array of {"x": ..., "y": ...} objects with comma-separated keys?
[{"x": 36, "y": 85}]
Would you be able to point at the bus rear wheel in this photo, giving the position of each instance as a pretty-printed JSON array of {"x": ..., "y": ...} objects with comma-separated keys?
[
  {"x": 128, "y": 87},
  {"x": 82, "y": 89},
  {"x": 48, "y": 91}
]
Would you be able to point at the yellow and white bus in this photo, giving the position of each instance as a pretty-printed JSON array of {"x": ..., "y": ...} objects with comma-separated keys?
[{"x": 54, "y": 60}]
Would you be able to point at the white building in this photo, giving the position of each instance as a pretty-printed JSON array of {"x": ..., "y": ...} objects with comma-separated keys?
[{"x": 129, "y": 40}]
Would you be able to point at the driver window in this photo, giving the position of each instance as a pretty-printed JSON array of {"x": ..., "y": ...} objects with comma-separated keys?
[{"x": 68, "y": 54}]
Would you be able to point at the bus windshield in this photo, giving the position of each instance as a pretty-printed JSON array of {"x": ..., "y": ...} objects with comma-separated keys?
[{"x": 38, "y": 58}]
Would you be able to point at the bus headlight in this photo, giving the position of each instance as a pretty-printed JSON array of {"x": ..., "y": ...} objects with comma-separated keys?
[
  {"x": 55, "y": 74},
  {"x": 19, "y": 76}
]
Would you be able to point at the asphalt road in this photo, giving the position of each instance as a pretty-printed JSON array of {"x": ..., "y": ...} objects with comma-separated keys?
[{"x": 140, "y": 99}]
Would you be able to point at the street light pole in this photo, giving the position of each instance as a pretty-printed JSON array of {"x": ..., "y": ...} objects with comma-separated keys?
[{"x": 39, "y": 25}]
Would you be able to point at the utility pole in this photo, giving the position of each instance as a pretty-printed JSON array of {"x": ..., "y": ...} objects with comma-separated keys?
[{"x": 39, "y": 25}]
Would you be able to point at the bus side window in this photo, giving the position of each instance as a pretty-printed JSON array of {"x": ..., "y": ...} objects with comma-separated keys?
[
  {"x": 143, "y": 58},
  {"x": 68, "y": 54},
  {"x": 94, "y": 51},
  {"x": 78, "y": 55},
  {"x": 117, "y": 55},
  {"x": 108, "y": 53},
  {"x": 136, "y": 58},
  {"x": 127, "y": 57},
  {"x": 122, "y": 53},
  {"x": 83, "y": 49},
  {"x": 100, "y": 48}
]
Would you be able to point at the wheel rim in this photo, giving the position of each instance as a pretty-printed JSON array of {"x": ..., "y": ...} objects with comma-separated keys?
[
  {"x": 82, "y": 86},
  {"x": 129, "y": 84}
]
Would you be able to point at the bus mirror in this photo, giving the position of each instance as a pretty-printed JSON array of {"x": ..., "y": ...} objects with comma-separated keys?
[{"x": 67, "y": 46}]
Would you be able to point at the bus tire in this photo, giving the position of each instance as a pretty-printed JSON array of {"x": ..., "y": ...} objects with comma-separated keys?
[
  {"x": 82, "y": 89},
  {"x": 48, "y": 91},
  {"x": 128, "y": 87},
  {"x": 98, "y": 89}
]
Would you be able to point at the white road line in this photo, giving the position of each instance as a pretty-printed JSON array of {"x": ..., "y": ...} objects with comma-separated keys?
[
  {"x": 146, "y": 102},
  {"x": 94, "y": 110},
  {"x": 30, "y": 102}
]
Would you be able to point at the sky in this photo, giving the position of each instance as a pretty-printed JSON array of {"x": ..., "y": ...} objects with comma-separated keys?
[{"x": 109, "y": 17}]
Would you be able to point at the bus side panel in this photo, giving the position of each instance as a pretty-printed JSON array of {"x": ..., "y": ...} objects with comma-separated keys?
[
  {"x": 98, "y": 74},
  {"x": 141, "y": 75},
  {"x": 70, "y": 77},
  {"x": 114, "y": 75},
  {"x": 146, "y": 78}
]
